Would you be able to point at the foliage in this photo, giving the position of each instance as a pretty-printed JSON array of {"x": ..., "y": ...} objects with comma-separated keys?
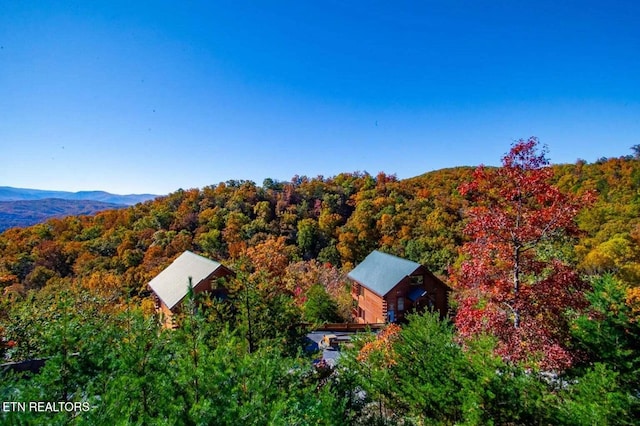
[
  {"x": 365, "y": 372},
  {"x": 68, "y": 333},
  {"x": 423, "y": 375},
  {"x": 505, "y": 285},
  {"x": 595, "y": 398},
  {"x": 325, "y": 284},
  {"x": 337, "y": 220},
  {"x": 73, "y": 290},
  {"x": 319, "y": 307},
  {"x": 609, "y": 332},
  {"x": 139, "y": 387},
  {"x": 129, "y": 370},
  {"x": 266, "y": 314}
]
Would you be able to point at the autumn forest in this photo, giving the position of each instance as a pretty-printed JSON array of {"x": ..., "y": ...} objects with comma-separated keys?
[{"x": 543, "y": 329}]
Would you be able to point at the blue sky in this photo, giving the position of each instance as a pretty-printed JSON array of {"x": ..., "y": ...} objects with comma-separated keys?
[{"x": 137, "y": 96}]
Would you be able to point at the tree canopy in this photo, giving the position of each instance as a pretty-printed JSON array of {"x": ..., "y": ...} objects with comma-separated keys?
[{"x": 544, "y": 260}]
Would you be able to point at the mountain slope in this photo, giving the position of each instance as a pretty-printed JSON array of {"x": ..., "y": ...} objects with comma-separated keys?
[
  {"x": 30, "y": 212},
  {"x": 8, "y": 193},
  {"x": 336, "y": 220}
]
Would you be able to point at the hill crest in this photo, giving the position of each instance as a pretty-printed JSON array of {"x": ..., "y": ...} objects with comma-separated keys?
[{"x": 8, "y": 193}]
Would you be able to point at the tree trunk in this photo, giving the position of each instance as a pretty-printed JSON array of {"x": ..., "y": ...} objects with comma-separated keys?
[{"x": 516, "y": 286}]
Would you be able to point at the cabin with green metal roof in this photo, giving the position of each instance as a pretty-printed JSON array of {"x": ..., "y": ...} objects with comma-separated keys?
[{"x": 387, "y": 287}]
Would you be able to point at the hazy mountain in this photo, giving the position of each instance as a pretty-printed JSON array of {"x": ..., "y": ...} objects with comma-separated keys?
[
  {"x": 23, "y": 213},
  {"x": 24, "y": 207},
  {"x": 8, "y": 193}
]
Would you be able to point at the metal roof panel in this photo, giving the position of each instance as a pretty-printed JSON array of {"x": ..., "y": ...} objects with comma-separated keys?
[
  {"x": 172, "y": 284},
  {"x": 381, "y": 272}
]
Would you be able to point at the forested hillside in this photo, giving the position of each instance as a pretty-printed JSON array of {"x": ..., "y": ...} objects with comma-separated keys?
[
  {"x": 30, "y": 212},
  {"x": 20, "y": 207},
  {"x": 291, "y": 244},
  {"x": 338, "y": 220}
]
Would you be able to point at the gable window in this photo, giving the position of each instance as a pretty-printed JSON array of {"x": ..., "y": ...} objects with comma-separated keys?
[
  {"x": 400, "y": 302},
  {"x": 417, "y": 279}
]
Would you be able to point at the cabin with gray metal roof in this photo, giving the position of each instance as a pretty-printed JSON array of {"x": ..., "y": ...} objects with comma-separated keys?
[
  {"x": 387, "y": 287},
  {"x": 172, "y": 284}
]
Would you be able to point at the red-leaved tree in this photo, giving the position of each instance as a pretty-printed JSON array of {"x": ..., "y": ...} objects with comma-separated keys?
[{"x": 513, "y": 282}]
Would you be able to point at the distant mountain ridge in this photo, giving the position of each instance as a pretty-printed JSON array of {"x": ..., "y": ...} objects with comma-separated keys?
[
  {"x": 8, "y": 193},
  {"x": 24, "y": 213},
  {"x": 20, "y": 207}
]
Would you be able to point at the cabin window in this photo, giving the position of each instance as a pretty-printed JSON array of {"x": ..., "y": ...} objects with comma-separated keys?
[
  {"x": 361, "y": 291},
  {"x": 431, "y": 299},
  {"x": 361, "y": 313},
  {"x": 400, "y": 302},
  {"x": 417, "y": 280}
]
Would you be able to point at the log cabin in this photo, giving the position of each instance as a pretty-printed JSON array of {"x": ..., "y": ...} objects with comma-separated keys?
[
  {"x": 386, "y": 288},
  {"x": 171, "y": 285}
]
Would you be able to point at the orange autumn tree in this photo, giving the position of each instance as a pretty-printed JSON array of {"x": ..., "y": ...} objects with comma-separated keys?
[
  {"x": 513, "y": 282},
  {"x": 380, "y": 350}
]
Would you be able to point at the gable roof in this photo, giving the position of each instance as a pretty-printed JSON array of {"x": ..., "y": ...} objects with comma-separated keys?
[
  {"x": 172, "y": 284},
  {"x": 381, "y": 272}
]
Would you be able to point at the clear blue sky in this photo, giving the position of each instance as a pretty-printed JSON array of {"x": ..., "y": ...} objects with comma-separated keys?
[{"x": 133, "y": 96}]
